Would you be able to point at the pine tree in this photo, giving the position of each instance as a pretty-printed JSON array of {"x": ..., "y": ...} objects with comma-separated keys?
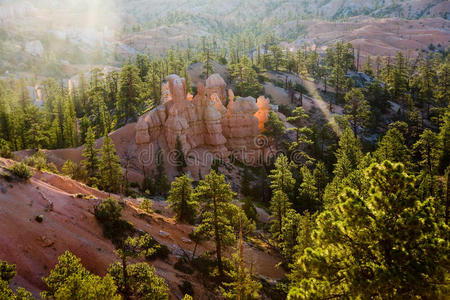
[
  {"x": 216, "y": 196},
  {"x": 289, "y": 234},
  {"x": 245, "y": 182},
  {"x": 7, "y": 274},
  {"x": 245, "y": 78},
  {"x": 348, "y": 155},
  {"x": 321, "y": 179},
  {"x": 161, "y": 182},
  {"x": 180, "y": 199},
  {"x": 130, "y": 103},
  {"x": 281, "y": 177},
  {"x": 356, "y": 109},
  {"x": 180, "y": 161},
  {"x": 383, "y": 243},
  {"x": 428, "y": 148},
  {"x": 274, "y": 128},
  {"x": 69, "y": 132},
  {"x": 307, "y": 193},
  {"x": 110, "y": 171},
  {"x": 90, "y": 153},
  {"x": 303, "y": 133},
  {"x": 393, "y": 148},
  {"x": 337, "y": 79},
  {"x": 279, "y": 205},
  {"x": 444, "y": 143},
  {"x": 70, "y": 280},
  {"x": 242, "y": 285}
]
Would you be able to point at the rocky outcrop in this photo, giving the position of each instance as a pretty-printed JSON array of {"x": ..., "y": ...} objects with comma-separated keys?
[
  {"x": 262, "y": 114},
  {"x": 216, "y": 85},
  {"x": 202, "y": 123}
]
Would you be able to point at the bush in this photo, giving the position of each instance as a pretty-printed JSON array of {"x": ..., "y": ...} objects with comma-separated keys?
[
  {"x": 21, "y": 171},
  {"x": 183, "y": 266},
  {"x": 146, "y": 205},
  {"x": 249, "y": 209},
  {"x": 108, "y": 213},
  {"x": 37, "y": 160},
  {"x": 186, "y": 288},
  {"x": 5, "y": 149},
  {"x": 108, "y": 210},
  {"x": 161, "y": 251},
  {"x": 134, "y": 185},
  {"x": 39, "y": 218},
  {"x": 74, "y": 170}
]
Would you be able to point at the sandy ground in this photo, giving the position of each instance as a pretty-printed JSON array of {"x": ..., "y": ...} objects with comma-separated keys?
[{"x": 71, "y": 225}]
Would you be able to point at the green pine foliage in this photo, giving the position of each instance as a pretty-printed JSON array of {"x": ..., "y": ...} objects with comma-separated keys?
[
  {"x": 215, "y": 195},
  {"x": 181, "y": 199},
  {"x": 70, "y": 280},
  {"x": 7, "y": 274},
  {"x": 376, "y": 243},
  {"x": 91, "y": 161},
  {"x": 110, "y": 171}
]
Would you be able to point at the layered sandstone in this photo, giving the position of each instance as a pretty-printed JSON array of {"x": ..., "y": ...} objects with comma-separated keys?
[{"x": 202, "y": 123}]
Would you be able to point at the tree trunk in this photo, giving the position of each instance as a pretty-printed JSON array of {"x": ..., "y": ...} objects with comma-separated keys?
[
  {"x": 447, "y": 197},
  {"x": 125, "y": 277},
  {"x": 218, "y": 241}
]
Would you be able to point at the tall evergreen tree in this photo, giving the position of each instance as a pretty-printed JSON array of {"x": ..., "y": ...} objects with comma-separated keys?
[
  {"x": 161, "y": 182},
  {"x": 110, "y": 171},
  {"x": 181, "y": 199},
  {"x": 281, "y": 177},
  {"x": 356, "y": 109},
  {"x": 279, "y": 206},
  {"x": 216, "y": 196},
  {"x": 90, "y": 153},
  {"x": 428, "y": 148},
  {"x": 180, "y": 161},
  {"x": 130, "y": 103}
]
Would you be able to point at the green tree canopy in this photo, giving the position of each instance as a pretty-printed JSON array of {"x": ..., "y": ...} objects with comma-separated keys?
[{"x": 387, "y": 244}]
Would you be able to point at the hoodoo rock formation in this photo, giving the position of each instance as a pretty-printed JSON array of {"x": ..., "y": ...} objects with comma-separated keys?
[{"x": 203, "y": 124}]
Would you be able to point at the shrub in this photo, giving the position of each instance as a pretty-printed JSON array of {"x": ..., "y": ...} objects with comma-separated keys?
[
  {"x": 186, "y": 288},
  {"x": 108, "y": 213},
  {"x": 183, "y": 266},
  {"x": 108, "y": 210},
  {"x": 249, "y": 209},
  {"x": 39, "y": 218},
  {"x": 37, "y": 160},
  {"x": 161, "y": 252},
  {"x": 5, "y": 149},
  {"x": 146, "y": 205},
  {"x": 134, "y": 185},
  {"x": 21, "y": 171},
  {"x": 74, "y": 170}
]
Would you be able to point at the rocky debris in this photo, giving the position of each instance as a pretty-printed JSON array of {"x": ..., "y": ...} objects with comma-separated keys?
[
  {"x": 186, "y": 240},
  {"x": 360, "y": 79},
  {"x": 163, "y": 233},
  {"x": 3, "y": 188},
  {"x": 203, "y": 122},
  {"x": 44, "y": 241}
]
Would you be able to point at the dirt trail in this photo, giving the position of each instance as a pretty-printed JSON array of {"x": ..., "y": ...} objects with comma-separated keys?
[{"x": 281, "y": 96}]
